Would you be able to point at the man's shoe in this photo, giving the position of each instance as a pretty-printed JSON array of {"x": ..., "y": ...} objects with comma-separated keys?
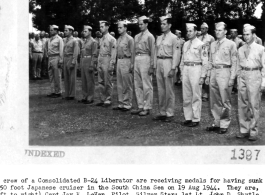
[
  {"x": 204, "y": 99},
  {"x": 193, "y": 124},
  {"x": 56, "y": 95},
  {"x": 186, "y": 123},
  {"x": 159, "y": 117},
  {"x": 253, "y": 138},
  {"x": 117, "y": 108},
  {"x": 69, "y": 98},
  {"x": 106, "y": 105},
  {"x": 99, "y": 104},
  {"x": 82, "y": 101},
  {"x": 222, "y": 130},
  {"x": 242, "y": 135},
  {"x": 89, "y": 102},
  {"x": 50, "y": 95},
  {"x": 144, "y": 113},
  {"x": 212, "y": 128},
  {"x": 169, "y": 119},
  {"x": 125, "y": 109},
  {"x": 136, "y": 111}
]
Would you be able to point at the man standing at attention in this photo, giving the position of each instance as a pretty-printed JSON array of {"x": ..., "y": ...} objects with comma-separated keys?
[
  {"x": 125, "y": 47},
  {"x": 143, "y": 68},
  {"x": 167, "y": 58},
  {"x": 88, "y": 65},
  {"x": 207, "y": 40},
  {"x": 70, "y": 62},
  {"x": 193, "y": 66},
  {"x": 220, "y": 77},
  {"x": 106, "y": 62},
  {"x": 37, "y": 56},
  {"x": 54, "y": 48},
  {"x": 251, "y": 81}
]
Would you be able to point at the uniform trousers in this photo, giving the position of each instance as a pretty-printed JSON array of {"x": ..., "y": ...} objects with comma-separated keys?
[
  {"x": 88, "y": 78},
  {"x": 54, "y": 74},
  {"x": 249, "y": 97},
  {"x": 192, "y": 101},
  {"x": 143, "y": 82},
  {"x": 104, "y": 79},
  {"x": 36, "y": 62},
  {"x": 124, "y": 83},
  {"x": 166, "y": 95},
  {"x": 69, "y": 77},
  {"x": 220, "y": 97}
]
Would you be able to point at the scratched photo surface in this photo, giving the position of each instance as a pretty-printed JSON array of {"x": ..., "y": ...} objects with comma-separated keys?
[{"x": 57, "y": 122}]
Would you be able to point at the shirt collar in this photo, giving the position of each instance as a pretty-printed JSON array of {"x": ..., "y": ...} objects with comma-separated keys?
[
  {"x": 145, "y": 31},
  {"x": 222, "y": 40},
  {"x": 104, "y": 36}
]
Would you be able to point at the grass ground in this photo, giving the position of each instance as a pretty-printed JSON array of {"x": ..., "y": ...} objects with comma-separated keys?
[{"x": 56, "y": 122}]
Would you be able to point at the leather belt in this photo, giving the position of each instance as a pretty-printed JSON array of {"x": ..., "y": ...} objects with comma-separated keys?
[
  {"x": 192, "y": 63},
  {"x": 250, "y": 69},
  {"x": 104, "y": 55},
  {"x": 222, "y": 66},
  {"x": 53, "y": 55},
  {"x": 142, "y": 54},
  {"x": 164, "y": 57},
  {"x": 68, "y": 55},
  {"x": 125, "y": 57},
  {"x": 37, "y": 52}
]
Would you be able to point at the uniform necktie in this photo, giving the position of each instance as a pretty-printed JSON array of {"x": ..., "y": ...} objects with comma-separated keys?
[
  {"x": 202, "y": 38},
  {"x": 247, "y": 51},
  {"x": 189, "y": 46}
]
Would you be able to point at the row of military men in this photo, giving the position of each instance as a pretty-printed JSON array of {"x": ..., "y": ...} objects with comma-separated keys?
[{"x": 216, "y": 64}]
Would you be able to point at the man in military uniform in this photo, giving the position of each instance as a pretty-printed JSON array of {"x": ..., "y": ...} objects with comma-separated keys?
[
  {"x": 112, "y": 34},
  {"x": 199, "y": 33},
  {"x": 256, "y": 38},
  {"x": 37, "y": 55},
  {"x": 181, "y": 41},
  {"x": 143, "y": 68},
  {"x": 88, "y": 65},
  {"x": 234, "y": 37},
  {"x": 70, "y": 62},
  {"x": 207, "y": 40},
  {"x": 167, "y": 58},
  {"x": 221, "y": 76},
  {"x": 193, "y": 66},
  {"x": 251, "y": 80},
  {"x": 47, "y": 36},
  {"x": 106, "y": 62},
  {"x": 125, "y": 47},
  {"x": 239, "y": 42},
  {"x": 44, "y": 67},
  {"x": 54, "y": 48}
]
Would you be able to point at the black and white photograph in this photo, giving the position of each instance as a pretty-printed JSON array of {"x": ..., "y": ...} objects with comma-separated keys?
[{"x": 146, "y": 73}]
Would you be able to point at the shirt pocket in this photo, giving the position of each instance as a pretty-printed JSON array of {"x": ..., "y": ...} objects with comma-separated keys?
[
  {"x": 226, "y": 53},
  {"x": 168, "y": 48},
  {"x": 196, "y": 51},
  {"x": 55, "y": 43}
]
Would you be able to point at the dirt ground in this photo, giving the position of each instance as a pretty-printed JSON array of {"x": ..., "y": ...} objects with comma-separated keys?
[{"x": 57, "y": 122}]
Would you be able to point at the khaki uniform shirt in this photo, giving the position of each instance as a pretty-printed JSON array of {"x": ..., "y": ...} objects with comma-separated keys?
[
  {"x": 54, "y": 46},
  {"x": 223, "y": 52},
  {"x": 89, "y": 48},
  {"x": 107, "y": 46},
  {"x": 255, "y": 58},
  {"x": 167, "y": 45},
  {"x": 145, "y": 44},
  {"x": 125, "y": 47},
  {"x": 71, "y": 48},
  {"x": 193, "y": 51},
  {"x": 207, "y": 40},
  {"x": 37, "y": 46}
]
